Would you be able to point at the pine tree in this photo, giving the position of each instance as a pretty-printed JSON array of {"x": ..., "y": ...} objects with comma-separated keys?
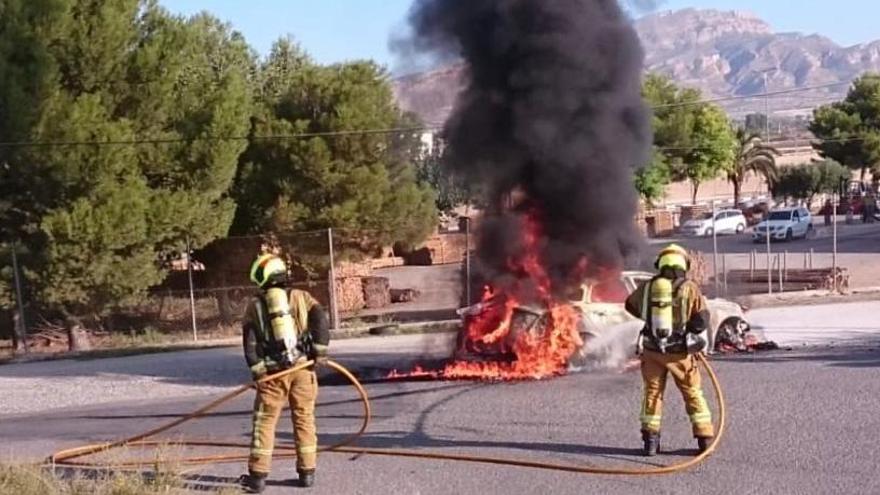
[
  {"x": 359, "y": 183},
  {"x": 102, "y": 217}
]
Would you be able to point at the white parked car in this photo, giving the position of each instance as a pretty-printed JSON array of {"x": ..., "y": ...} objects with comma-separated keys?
[
  {"x": 726, "y": 222},
  {"x": 784, "y": 224}
]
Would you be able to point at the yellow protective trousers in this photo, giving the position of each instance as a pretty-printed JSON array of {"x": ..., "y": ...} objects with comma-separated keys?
[
  {"x": 683, "y": 368},
  {"x": 300, "y": 390}
]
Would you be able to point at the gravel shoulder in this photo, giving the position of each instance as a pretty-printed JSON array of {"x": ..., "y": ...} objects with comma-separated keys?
[{"x": 67, "y": 383}]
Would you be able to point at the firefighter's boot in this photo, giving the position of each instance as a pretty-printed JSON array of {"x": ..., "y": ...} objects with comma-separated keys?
[
  {"x": 652, "y": 443},
  {"x": 253, "y": 482},
  {"x": 703, "y": 443},
  {"x": 307, "y": 478}
]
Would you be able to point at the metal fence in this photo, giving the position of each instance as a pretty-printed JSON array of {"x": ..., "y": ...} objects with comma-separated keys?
[
  {"x": 772, "y": 269},
  {"x": 207, "y": 290}
]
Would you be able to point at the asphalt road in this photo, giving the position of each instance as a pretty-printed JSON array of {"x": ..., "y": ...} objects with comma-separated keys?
[{"x": 800, "y": 421}]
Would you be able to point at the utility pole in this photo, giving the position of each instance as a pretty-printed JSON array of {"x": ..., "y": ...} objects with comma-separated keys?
[
  {"x": 834, "y": 241},
  {"x": 767, "y": 140},
  {"x": 331, "y": 282},
  {"x": 21, "y": 330},
  {"x": 192, "y": 293},
  {"x": 467, "y": 261},
  {"x": 715, "y": 247}
]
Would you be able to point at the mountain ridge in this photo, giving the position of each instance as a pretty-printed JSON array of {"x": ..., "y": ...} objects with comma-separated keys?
[{"x": 722, "y": 53}]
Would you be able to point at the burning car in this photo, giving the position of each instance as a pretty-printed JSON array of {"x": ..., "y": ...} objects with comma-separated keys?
[{"x": 600, "y": 310}]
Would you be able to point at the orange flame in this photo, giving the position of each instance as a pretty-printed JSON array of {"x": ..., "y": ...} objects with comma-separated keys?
[{"x": 540, "y": 351}]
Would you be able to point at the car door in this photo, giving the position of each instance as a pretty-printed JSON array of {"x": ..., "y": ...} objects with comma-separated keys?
[
  {"x": 803, "y": 222},
  {"x": 806, "y": 221},
  {"x": 601, "y": 311},
  {"x": 719, "y": 222},
  {"x": 795, "y": 223},
  {"x": 729, "y": 223}
]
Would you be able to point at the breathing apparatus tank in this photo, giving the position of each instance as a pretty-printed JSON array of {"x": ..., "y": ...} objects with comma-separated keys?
[
  {"x": 661, "y": 311},
  {"x": 283, "y": 327}
]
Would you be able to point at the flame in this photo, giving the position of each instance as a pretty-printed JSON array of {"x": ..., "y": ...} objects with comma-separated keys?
[{"x": 539, "y": 349}]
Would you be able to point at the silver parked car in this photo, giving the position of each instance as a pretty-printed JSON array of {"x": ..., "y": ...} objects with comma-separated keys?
[{"x": 724, "y": 222}]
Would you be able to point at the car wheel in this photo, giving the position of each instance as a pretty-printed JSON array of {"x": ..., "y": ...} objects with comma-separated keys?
[
  {"x": 728, "y": 334},
  {"x": 789, "y": 235},
  {"x": 708, "y": 232},
  {"x": 740, "y": 228}
]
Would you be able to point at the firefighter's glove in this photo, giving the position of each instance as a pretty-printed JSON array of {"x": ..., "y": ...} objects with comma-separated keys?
[
  {"x": 318, "y": 353},
  {"x": 259, "y": 370},
  {"x": 698, "y": 323}
]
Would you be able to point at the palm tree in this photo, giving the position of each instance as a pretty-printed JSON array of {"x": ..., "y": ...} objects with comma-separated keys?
[{"x": 751, "y": 156}]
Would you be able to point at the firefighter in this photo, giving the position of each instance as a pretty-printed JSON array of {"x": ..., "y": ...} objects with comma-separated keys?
[
  {"x": 676, "y": 319},
  {"x": 282, "y": 328}
]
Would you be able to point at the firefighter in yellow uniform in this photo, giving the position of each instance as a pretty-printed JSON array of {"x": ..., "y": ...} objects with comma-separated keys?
[
  {"x": 676, "y": 320},
  {"x": 282, "y": 328}
]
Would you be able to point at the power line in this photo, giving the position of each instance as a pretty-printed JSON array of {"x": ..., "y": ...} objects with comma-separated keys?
[
  {"x": 154, "y": 141},
  {"x": 359, "y": 132},
  {"x": 783, "y": 92},
  {"x": 789, "y": 142}
]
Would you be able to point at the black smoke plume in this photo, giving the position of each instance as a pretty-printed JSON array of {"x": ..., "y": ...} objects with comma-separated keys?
[{"x": 550, "y": 125}]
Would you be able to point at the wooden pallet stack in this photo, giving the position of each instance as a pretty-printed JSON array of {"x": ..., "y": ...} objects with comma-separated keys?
[
  {"x": 699, "y": 268},
  {"x": 660, "y": 223},
  {"x": 439, "y": 249},
  {"x": 694, "y": 211},
  {"x": 377, "y": 292},
  {"x": 349, "y": 284}
]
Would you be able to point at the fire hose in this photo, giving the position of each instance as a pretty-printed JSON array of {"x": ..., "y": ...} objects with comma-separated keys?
[{"x": 67, "y": 457}]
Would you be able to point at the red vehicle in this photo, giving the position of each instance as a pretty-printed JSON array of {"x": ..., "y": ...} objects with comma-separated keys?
[{"x": 852, "y": 198}]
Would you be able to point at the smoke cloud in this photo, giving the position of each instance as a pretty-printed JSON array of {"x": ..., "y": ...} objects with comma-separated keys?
[{"x": 550, "y": 125}]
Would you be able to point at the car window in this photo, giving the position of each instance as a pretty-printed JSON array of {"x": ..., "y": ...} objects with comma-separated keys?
[
  {"x": 795, "y": 216},
  {"x": 576, "y": 294},
  {"x": 609, "y": 291},
  {"x": 780, "y": 215}
]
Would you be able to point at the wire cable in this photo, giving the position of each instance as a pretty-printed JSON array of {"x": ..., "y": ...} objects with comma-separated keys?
[{"x": 363, "y": 132}]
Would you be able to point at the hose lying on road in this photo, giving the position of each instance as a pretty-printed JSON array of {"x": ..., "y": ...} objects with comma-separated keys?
[{"x": 67, "y": 457}]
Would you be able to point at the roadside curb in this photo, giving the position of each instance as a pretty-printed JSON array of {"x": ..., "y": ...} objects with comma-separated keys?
[
  {"x": 443, "y": 326},
  {"x": 807, "y": 298}
]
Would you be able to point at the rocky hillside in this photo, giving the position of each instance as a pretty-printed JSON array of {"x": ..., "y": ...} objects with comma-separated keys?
[{"x": 722, "y": 53}]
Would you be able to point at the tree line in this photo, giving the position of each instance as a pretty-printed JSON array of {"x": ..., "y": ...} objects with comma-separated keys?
[
  {"x": 128, "y": 134},
  {"x": 695, "y": 142}
]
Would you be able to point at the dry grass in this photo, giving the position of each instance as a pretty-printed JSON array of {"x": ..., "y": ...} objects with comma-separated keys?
[{"x": 31, "y": 480}]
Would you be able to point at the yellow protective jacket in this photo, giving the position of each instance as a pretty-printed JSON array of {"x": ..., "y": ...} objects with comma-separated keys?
[
  {"x": 690, "y": 312},
  {"x": 260, "y": 350}
]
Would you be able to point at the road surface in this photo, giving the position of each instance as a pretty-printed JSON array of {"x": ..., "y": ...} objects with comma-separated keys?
[{"x": 802, "y": 421}]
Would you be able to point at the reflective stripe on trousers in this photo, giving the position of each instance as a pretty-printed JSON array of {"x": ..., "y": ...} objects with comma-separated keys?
[
  {"x": 683, "y": 368},
  {"x": 299, "y": 390}
]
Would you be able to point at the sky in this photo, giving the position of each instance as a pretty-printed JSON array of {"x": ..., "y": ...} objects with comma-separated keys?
[{"x": 339, "y": 30}]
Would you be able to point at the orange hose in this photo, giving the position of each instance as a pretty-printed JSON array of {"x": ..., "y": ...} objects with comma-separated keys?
[{"x": 65, "y": 457}]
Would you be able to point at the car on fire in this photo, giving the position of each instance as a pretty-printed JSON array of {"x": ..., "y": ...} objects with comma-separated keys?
[{"x": 600, "y": 307}]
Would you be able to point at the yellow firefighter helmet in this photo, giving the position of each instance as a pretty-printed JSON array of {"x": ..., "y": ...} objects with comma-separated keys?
[
  {"x": 266, "y": 267},
  {"x": 673, "y": 256}
]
